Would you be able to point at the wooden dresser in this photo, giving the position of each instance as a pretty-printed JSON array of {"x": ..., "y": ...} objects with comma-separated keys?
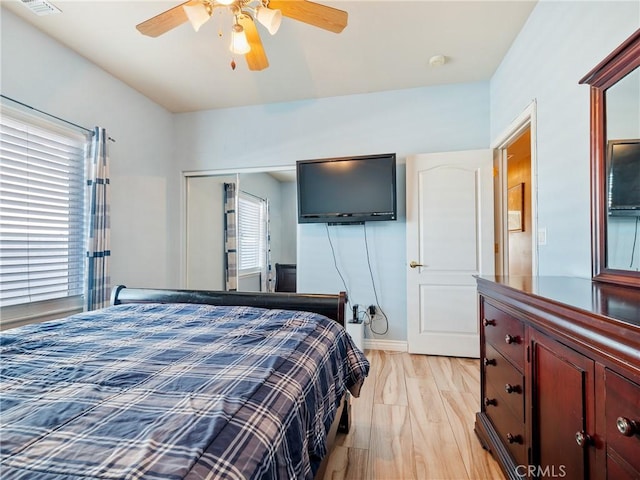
[{"x": 560, "y": 379}]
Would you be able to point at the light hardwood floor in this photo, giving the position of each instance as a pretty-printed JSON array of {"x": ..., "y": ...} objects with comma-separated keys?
[{"x": 414, "y": 420}]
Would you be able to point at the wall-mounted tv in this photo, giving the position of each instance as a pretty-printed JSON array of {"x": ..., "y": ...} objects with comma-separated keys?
[
  {"x": 347, "y": 189},
  {"x": 623, "y": 174}
]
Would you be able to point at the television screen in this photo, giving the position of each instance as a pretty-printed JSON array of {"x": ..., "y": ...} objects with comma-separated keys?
[
  {"x": 347, "y": 190},
  {"x": 623, "y": 163}
]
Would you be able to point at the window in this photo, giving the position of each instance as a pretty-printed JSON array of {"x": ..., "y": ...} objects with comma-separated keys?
[
  {"x": 252, "y": 233},
  {"x": 41, "y": 216}
]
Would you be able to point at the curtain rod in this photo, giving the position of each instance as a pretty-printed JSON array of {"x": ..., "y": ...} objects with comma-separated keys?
[{"x": 52, "y": 116}]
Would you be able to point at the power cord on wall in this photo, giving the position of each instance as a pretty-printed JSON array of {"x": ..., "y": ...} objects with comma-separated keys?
[
  {"x": 375, "y": 292},
  {"x": 635, "y": 238},
  {"x": 361, "y": 314},
  {"x": 335, "y": 263}
]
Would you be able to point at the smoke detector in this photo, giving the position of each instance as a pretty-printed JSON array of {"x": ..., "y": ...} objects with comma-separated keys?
[
  {"x": 437, "y": 60},
  {"x": 41, "y": 7}
]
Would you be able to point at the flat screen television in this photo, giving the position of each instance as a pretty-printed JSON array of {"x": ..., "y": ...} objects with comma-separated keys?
[
  {"x": 347, "y": 189},
  {"x": 623, "y": 168}
]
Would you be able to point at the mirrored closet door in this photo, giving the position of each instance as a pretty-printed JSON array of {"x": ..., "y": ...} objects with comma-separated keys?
[{"x": 238, "y": 227}]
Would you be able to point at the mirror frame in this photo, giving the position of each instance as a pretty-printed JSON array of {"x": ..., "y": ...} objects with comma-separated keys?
[{"x": 613, "y": 68}]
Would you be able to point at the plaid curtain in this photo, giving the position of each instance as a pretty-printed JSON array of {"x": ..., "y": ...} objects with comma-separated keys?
[
  {"x": 98, "y": 280},
  {"x": 230, "y": 237},
  {"x": 268, "y": 284}
]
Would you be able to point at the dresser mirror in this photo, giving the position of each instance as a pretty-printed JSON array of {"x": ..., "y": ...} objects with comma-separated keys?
[{"x": 615, "y": 165}]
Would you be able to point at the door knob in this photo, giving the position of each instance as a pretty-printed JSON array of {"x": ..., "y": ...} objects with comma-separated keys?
[{"x": 415, "y": 264}]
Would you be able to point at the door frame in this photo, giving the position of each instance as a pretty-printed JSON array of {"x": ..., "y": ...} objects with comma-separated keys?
[{"x": 526, "y": 119}]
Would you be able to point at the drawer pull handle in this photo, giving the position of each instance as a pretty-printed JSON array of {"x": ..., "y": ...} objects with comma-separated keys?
[
  {"x": 583, "y": 439},
  {"x": 511, "y": 388},
  {"x": 489, "y": 361},
  {"x": 627, "y": 427},
  {"x": 511, "y": 339},
  {"x": 490, "y": 401},
  {"x": 514, "y": 438},
  {"x": 486, "y": 322}
]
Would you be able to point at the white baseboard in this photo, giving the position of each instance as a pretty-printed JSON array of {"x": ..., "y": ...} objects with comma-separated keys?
[{"x": 392, "y": 345}]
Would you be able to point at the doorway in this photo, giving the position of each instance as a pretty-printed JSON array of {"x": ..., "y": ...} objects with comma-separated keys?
[
  {"x": 519, "y": 235},
  {"x": 516, "y": 231}
]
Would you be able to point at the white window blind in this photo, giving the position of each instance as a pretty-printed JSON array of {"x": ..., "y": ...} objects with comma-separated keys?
[
  {"x": 252, "y": 233},
  {"x": 41, "y": 213}
]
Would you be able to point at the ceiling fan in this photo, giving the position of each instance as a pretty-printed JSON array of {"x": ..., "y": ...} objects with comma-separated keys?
[{"x": 245, "y": 39}]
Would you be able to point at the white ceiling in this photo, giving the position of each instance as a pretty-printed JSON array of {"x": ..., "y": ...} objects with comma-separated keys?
[{"x": 386, "y": 46}]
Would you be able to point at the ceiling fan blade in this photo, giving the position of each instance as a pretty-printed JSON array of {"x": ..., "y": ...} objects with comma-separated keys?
[
  {"x": 162, "y": 23},
  {"x": 256, "y": 58},
  {"x": 321, "y": 16}
]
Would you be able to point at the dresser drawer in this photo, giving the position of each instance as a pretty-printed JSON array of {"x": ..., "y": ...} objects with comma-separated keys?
[
  {"x": 622, "y": 413},
  {"x": 615, "y": 471},
  {"x": 505, "y": 333},
  {"x": 506, "y": 380},
  {"x": 509, "y": 427}
]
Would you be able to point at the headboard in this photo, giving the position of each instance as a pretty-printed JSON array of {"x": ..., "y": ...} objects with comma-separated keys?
[{"x": 331, "y": 306}]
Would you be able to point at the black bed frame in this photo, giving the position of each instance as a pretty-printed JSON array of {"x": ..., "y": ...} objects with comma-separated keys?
[{"x": 331, "y": 306}]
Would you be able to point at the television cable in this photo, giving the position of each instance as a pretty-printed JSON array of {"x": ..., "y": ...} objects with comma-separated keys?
[
  {"x": 335, "y": 264},
  {"x": 375, "y": 292},
  {"x": 635, "y": 239}
]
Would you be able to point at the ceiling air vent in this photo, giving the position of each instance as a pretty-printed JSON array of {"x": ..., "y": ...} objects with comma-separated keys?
[{"x": 40, "y": 7}]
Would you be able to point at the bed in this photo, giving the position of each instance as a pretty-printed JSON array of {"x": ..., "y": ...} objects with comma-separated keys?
[{"x": 177, "y": 384}]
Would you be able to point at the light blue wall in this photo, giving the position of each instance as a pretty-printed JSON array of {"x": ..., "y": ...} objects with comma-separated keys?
[
  {"x": 41, "y": 72},
  {"x": 560, "y": 43},
  {"x": 410, "y": 121},
  {"x": 404, "y": 121}
]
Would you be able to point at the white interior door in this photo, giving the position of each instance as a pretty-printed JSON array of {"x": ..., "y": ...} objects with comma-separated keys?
[{"x": 449, "y": 240}]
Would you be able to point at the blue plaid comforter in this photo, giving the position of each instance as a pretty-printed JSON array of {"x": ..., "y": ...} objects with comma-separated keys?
[{"x": 172, "y": 391}]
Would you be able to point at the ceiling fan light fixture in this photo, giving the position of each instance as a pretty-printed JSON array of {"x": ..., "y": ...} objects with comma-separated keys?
[
  {"x": 270, "y": 18},
  {"x": 239, "y": 44},
  {"x": 245, "y": 37},
  {"x": 197, "y": 15}
]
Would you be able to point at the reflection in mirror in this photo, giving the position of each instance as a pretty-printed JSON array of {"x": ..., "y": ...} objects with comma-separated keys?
[
  {"x": 623, "y": 173},
  {"x": 210, "y": 261},
  {"x": 205, "y": 247}
]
